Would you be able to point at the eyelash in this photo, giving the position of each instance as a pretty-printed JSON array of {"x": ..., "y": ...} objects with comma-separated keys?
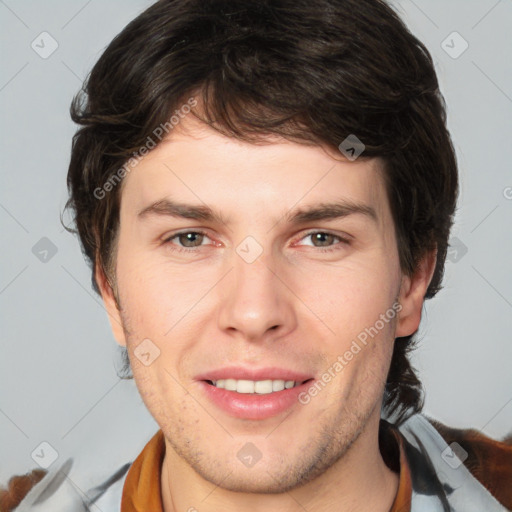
[{"x": 167, "y": 241}]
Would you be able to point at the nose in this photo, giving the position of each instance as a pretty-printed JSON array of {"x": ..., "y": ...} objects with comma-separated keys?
[{"x": 256, "y": 304}]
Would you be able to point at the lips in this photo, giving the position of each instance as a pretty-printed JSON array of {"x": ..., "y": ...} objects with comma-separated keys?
[{"x": 253, "y": 394}]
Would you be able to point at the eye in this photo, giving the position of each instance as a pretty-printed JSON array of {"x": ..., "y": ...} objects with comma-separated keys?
[
  {"x": 186, "y": 240},
  {"x": 325, "y": 241}
]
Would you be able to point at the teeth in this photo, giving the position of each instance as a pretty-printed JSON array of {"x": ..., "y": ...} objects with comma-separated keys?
[
  {"x": 260, "y": 387},
  {"x": 245, "y": 386},
  {"x": 229, "y": 384},
  {"x": 278, "y": 385}
]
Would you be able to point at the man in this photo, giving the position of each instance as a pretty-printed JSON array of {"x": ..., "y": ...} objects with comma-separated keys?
[{"x": 265, "y": 191}]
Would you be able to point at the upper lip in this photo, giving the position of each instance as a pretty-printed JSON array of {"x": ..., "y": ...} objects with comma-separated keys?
[{"x": 256, "y": 374}]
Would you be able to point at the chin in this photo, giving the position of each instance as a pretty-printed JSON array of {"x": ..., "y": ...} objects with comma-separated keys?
[{"x": 253, "y": 481}]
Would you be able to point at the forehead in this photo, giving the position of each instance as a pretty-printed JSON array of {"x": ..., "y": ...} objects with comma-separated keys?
[{"x": 199, "y": 165}]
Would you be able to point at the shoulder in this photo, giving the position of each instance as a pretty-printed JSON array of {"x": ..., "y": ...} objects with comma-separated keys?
[
  {"x": 17, "y": 488},
  {"x": 489, "y": 460},
  {"x": 455, "y": 469},
  {"x": 54, "y": 490}
]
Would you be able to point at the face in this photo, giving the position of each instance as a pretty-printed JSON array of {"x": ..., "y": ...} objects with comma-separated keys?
[{"x": 243, "y": 270}]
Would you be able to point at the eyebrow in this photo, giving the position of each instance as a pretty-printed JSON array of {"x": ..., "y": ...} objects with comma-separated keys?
[
  {"x": 322, "y": 211},
  {"x": 330, "y": 211}
]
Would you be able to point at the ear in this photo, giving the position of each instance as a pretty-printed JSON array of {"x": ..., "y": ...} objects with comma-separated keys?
[
  {"x": 412, "y": 294},
  {"x": 110, "y": 302}
]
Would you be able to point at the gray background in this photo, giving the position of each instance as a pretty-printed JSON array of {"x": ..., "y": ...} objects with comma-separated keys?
[{"x": 58, "y": 357}]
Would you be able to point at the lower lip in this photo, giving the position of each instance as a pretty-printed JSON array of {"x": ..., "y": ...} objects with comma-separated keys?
[{"x": 252, "y": 406}]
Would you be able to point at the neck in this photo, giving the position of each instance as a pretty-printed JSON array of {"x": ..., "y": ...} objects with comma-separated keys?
[{"x": 359, "y": 481}]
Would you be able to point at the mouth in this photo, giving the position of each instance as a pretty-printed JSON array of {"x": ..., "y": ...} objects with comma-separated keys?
[{"x": 252, "y": 394}]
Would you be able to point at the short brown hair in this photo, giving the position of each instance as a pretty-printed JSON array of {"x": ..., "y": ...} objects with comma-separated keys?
[{"x": 312, "y": 71}]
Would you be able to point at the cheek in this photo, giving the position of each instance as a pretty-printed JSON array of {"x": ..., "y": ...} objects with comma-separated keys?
[
  {"x": 350, "y": 298},
  {"x": 151, "y": 297},
  {"x": 160, "y": 314},
  {"x": 365, "y": 365},
  {"x": 356, "y": 303},
  {"x": 161, "y": 394}
]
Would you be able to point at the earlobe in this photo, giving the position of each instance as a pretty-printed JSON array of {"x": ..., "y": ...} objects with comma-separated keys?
[
  {"x": 412, "y": 294},
  {"x": 110, "y": 302}
]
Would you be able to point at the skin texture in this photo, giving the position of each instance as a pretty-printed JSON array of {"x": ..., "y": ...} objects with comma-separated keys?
[{"x": 294, "y": 307}]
